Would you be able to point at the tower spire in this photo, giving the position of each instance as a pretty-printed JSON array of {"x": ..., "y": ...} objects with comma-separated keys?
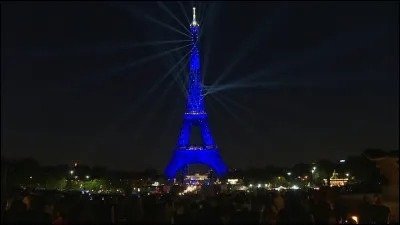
[{"x": 194, "y": 22}]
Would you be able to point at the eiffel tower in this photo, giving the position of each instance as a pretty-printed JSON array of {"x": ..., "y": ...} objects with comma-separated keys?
[{"x": 185, "y": 153}]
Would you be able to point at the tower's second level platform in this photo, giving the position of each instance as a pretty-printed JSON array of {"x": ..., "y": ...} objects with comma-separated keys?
[
  {"x": 195, "y": 115},
  {"x": 197, "y": 147}
]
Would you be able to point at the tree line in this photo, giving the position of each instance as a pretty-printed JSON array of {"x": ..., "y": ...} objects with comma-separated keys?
[{"x": 27, "y": 171}]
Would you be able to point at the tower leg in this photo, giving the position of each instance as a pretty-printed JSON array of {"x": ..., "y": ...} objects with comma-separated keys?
[{"x": 185, "y": 172}]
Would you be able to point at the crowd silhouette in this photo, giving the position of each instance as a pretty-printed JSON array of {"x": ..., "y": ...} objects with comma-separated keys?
[{"x": 269, "y": 207}]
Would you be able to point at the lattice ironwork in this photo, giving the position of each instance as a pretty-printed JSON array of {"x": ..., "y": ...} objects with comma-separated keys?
[{"x": 207, "y": 153}]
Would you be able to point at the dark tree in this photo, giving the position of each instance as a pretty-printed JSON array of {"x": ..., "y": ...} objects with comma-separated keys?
[
  {"x": 300, "y": 169},
  {"x": 26, "y": 171},
  {"x": 374, "y": 153},
  {"x": 362, "y": 168},
  {"x": 99, "y": 172},
  {"x": 326, "y": 167},
  {"x": 150, "y": 173}
]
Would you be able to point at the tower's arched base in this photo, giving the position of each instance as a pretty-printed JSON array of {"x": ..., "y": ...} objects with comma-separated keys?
[{"x": 210, "y": 158}]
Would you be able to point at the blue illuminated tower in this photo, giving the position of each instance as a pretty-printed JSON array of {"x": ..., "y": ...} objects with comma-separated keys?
[{"x": 185, "y": 153}]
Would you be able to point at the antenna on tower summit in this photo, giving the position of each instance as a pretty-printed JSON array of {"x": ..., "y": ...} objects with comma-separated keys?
[{"x": 194, "y": 22}]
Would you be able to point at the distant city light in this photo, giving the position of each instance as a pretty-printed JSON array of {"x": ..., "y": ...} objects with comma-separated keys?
[
  {"x": 289, "y": 173},
  {"x": 71, "y": 172},
  {"x": 347, "y": 174},
  {"x": 279, "y": 188},
  {"x": 233, "y": 181},
  {"x": 294, "y": 187},
  {"x": 30, "y": 177},
  {"x": 259, "y": 185},
  {"x": 87, "y": 177},
  {"x": 342, "y": 161},
  {"x": 313, "y": 169},
  {"x": 355, "y": 218}
]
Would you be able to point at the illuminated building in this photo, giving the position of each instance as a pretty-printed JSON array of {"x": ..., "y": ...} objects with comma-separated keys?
[
  {"x": 185, "y": 153},
  {"x": 335, "y": 181},
  {"x": 233, "y": 181},
  {"x": 196, "y": 178}
]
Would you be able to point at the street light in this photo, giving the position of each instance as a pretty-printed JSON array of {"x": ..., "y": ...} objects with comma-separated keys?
[
  {"x": 313, "y": 169},
  {"x": 87, "y": 177},
  {"x": 71, "y": 172},
  {"x": 347, "y": 174},
  {"x": 289, "y": 173},
  {"x": 30, "y": 177}
]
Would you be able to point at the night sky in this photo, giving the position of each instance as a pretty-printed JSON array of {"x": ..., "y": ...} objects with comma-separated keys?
[{"x": 297, "y": 81}]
